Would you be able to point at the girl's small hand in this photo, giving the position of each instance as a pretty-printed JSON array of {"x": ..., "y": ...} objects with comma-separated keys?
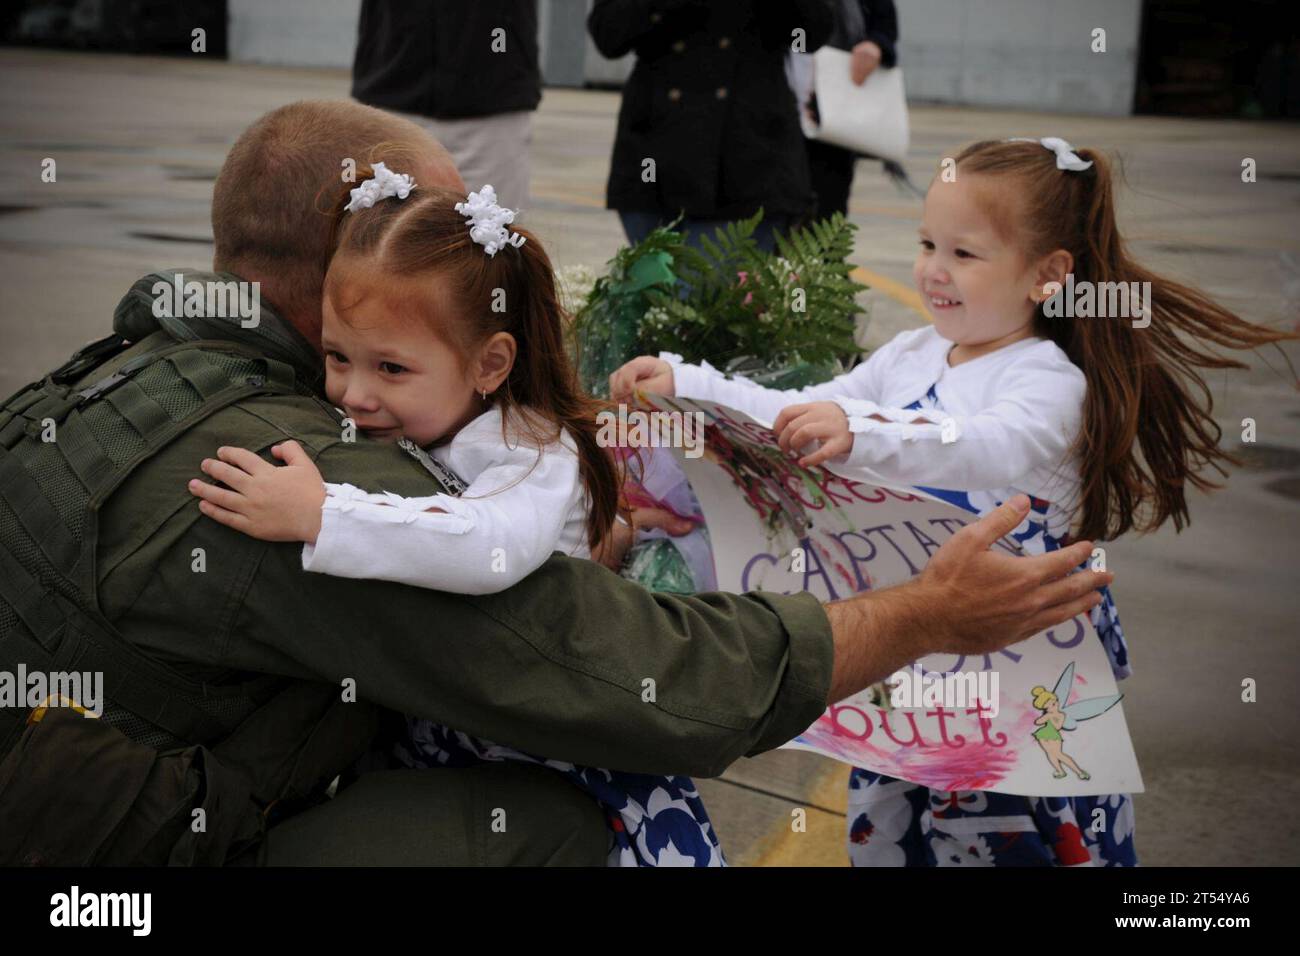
[
  {"x": 615, "y": 545},
  {"x": 646, "y": 373},
  {"x": 823, "y": 422},
  {"x": 268, "y": 502}
]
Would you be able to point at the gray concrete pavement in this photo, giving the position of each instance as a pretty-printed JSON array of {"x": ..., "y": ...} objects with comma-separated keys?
[{"x": 138, "y": 142}]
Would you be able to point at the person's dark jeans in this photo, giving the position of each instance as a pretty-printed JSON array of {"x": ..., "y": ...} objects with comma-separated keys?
[
  {"x": 638, "y": 225},
  {"x": 831, "y": 169}
]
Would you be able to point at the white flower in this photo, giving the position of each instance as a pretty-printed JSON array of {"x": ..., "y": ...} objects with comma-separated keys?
[
  {"x": 1121, "y": 827},
  {"x": 952, "y": 850},
  {"x": 668, "y": 856},
  {"x": 575, "y": 284},
  {"x": 887, "y": 807},
  {"x": 656, "y": 319}
]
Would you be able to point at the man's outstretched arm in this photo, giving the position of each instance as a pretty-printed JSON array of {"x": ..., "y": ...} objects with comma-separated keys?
[
  {"x": 572, "y": 663},
  {"x": 576, "y": 663}
]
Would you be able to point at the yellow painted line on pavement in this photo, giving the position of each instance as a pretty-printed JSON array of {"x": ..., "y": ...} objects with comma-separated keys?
[
  {"x": 563, "y": 195},
  {"x": 823, "y": 843}
]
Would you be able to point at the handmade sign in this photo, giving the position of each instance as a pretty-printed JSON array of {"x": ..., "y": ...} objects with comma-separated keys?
[{"x": 1042, "y": 717}]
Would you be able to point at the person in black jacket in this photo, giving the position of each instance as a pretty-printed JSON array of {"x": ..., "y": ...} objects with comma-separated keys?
[
  {"x": 708, "y": 126},
  {"x": 467, "y": 72},
  {"x": 868, "y": 29}
]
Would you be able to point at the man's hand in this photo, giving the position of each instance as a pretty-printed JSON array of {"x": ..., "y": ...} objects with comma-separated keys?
[
  {"x": 823, "y": 422},
  {"x": 967, "y": 600},
  {"x": 267, "y": 502},
  {"x": 646, "y": 373},
  {"x": 863, "y": 59},
  {"x": 989, "y": 599}
]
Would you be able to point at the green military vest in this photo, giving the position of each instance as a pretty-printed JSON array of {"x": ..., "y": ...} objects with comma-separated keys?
[{"x": 128, "y": 787}]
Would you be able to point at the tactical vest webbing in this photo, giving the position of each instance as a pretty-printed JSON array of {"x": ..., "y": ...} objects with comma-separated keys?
[{"x": 64, "y": 448}]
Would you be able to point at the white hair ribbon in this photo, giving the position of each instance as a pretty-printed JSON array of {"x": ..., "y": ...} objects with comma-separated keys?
[
  {"x": 1066, "y": 157},
  {"x": 488, "y": 221},
  {"x": 382, "y": 184}
]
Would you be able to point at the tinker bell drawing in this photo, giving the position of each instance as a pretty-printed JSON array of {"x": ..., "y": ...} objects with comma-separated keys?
[{"x": 1056, "y": 718}]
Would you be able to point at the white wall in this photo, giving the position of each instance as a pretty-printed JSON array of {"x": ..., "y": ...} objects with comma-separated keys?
[
  {"x": 293, "y": 32},
  {"x": 324, "y": 33},
  {"x": 1026, "y": 54},
  {"x": 1029, "y": 54}
]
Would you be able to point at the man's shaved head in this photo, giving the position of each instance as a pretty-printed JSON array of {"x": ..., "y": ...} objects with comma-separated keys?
[{"x": 271, "y": 205}]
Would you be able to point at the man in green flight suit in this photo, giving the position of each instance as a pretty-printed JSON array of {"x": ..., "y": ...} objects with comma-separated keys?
[{"x": 555, "y": 665}]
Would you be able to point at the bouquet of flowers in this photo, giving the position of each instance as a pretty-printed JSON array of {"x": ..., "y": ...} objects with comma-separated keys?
[{"x": 785, "y": 320}]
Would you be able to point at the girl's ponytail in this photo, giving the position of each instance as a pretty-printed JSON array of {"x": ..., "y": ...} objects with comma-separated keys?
[
  {"x": 544, "y": 380},
  {"x": 1148, "y": 426}
]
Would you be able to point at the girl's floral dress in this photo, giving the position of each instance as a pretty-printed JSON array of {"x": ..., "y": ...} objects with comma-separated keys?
[{"x": 895, "y": 823}]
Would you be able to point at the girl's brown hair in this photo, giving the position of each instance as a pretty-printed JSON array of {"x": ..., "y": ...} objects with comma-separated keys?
[
  {"x": 1147, "y": 422},
  {"x": 424, "y": 235}
]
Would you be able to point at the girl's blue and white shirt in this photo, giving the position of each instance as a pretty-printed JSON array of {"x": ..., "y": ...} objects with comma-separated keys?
[{"x": 998, "y": 425}]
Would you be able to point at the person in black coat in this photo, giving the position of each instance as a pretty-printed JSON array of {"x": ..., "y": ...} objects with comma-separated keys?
[
  {"x": 868, "y": 29},
  {"x": 708, "y": 126},
  {"x": 466, "y": 71}
]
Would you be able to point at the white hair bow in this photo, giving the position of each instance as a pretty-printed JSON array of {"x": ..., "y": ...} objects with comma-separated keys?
[
  {"x": 1066, "y": 157},
  {"x": 488, "y": 221},
  {"x": 382, "y": 184}
]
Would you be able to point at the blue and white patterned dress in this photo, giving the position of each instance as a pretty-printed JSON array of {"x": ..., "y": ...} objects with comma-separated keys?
[{"x": 895, "y": 823}]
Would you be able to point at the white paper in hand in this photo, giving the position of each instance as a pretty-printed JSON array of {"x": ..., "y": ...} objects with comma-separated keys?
[{"x": 871, "y": 118}]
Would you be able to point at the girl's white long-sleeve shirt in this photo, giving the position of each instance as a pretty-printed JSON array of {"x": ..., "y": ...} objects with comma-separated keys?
[
  {"x": 1012, "y": 415},
  {"x": 1007, "y": 423},
  {"x": 522, "y": 503}
]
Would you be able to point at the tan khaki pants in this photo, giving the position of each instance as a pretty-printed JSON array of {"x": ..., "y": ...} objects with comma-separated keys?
[{"x": 489, "y": 149}]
